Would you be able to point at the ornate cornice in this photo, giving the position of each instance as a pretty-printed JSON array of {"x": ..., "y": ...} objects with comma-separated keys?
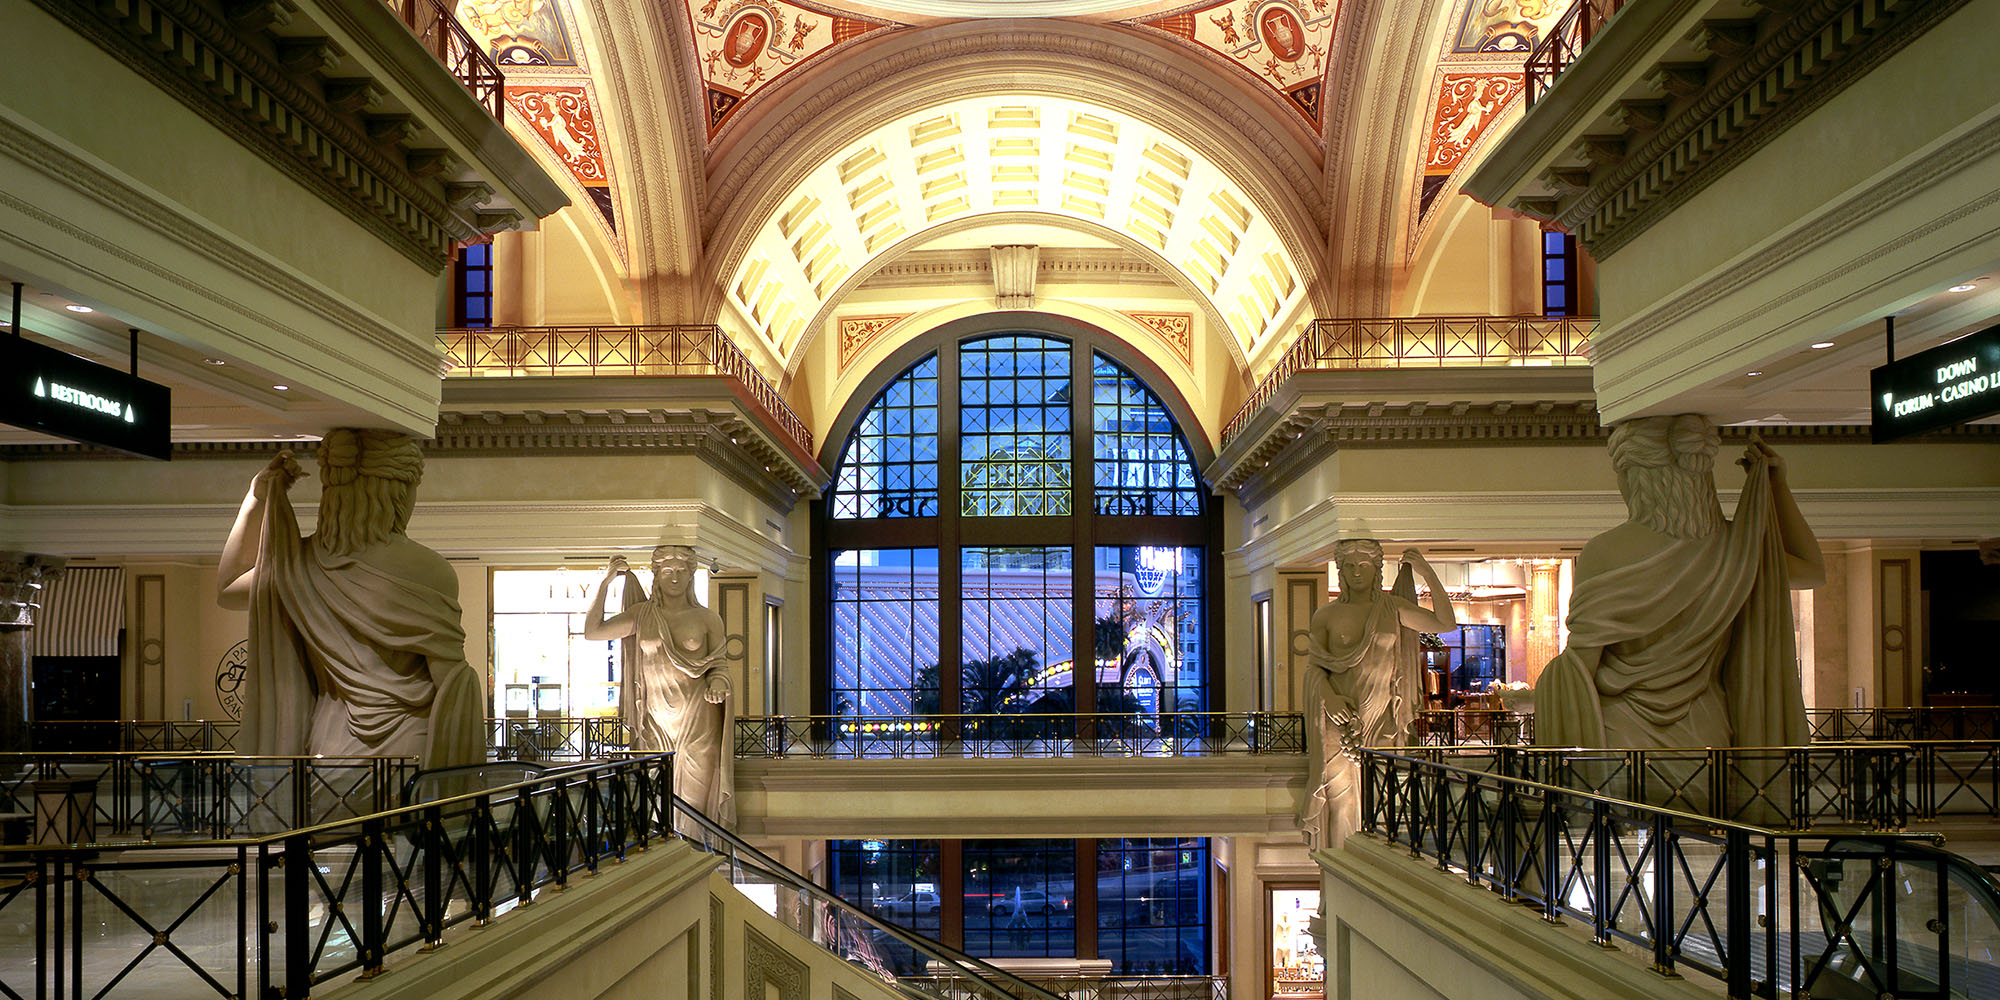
[
  {"x": 205, "y": 63},
  {"x": 1055, "y": 265},
  {"x": 1817, "y": 50}
]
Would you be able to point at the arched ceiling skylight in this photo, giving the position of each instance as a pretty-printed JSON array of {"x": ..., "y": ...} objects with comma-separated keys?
[{"x": 1010, "y": 157}]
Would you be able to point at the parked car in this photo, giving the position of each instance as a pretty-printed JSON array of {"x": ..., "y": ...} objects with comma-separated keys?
[
  {"x": 906, "y": 906},
  {"x": 1031, "y": 901}
]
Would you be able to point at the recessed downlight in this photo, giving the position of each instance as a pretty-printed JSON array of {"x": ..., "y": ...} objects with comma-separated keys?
[
  {"x": 1822, "y": 345},
  {"x": 73, "y": 307},
  {"x": 1968, "y": 286},
  {"x": 1753, "y": 374},
  {"x": 218, "y": 362},
  {"x": 281, "y": 388}
]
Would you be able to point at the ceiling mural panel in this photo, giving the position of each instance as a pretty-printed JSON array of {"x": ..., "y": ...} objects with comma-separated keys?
[
  {"x": 1505, "y": 26},
  {"x": 519, "y": 33},
  {"x": 1283, "y": 44},
  {"x": 564, "y": 118},
  {"x": 743, "y": 46},
  {"x": 1466, "y": 104}
]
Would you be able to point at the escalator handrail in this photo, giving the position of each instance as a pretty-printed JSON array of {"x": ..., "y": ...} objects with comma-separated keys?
[{"x": 776, "y": 870}]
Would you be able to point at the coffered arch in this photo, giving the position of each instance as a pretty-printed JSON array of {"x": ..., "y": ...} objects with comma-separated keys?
[{"x": 955, "y": 141}]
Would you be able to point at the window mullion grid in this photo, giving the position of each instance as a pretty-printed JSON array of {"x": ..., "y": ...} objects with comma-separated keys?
[
  {"x": 951, "y": 589},
  {"x": 1083, "y": 519}
]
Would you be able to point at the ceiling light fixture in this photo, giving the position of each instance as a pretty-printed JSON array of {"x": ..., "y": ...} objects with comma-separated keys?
[
  {"x": 1968, "y": 286},
  {"x": 281, "y": 388},
  {"x": 73, "y": 307},
  {"x": 1753, "y": 374},
  {"x": 1822, "y": 345},
  {"x": 218, "y": 362}
]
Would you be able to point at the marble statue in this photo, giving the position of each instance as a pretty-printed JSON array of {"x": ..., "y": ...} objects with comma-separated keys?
[
  {"x": 1364, "y": 680},
  {"x": 1680, "y": 623},
  {"x": 356, "y": 641},
  {"x": 676, "y": 691}
]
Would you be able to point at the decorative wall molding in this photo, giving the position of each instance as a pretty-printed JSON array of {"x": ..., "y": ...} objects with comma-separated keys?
[
  {"x": 1174, "y": 329},
  {"x": 857, "y": 332},
  {"x": 202, "y": 61},
  {"x": 1818, "y": 50},
  {"x": 203, "y": 243},
  {"x": 770, "y": 971},
  {"x": 715, "y": 916}
]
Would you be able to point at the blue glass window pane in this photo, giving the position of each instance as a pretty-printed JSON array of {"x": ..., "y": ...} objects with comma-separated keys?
[
  {"x": 1020, "y": 898},
  {"x": 896, "y": 437},
  {"x": 1556, "y": 269},
  {"x": 1153, "y": 905},
  {"x": 1137, "y": 451},
  {"x": 1017, "y": 386},
  {"x": 885, "y": 632}
]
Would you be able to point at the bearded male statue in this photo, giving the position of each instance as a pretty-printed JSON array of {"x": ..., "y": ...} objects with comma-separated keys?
[
  {"x": 356, "y": 641},
  {"x": 1363, "y": 679},
  {"x": 1680, "y": 623},
  {"x": 676, "y": 691}
]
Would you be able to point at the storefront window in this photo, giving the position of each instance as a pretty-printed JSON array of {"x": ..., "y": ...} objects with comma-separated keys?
[
  {"x": 896, "y": 880},
  {"x": 1297, "y": 970},
  {"x": 1152, "y": 905},
  {"x": 542, "y": 665}
]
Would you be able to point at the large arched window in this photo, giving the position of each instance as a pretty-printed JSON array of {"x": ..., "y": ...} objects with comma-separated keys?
[{"x": 1015, "y": 503}]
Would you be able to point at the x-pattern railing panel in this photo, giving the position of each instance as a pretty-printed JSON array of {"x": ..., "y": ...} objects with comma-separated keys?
[
  {"x": 166, "y": 924},
  {"x": 1705, "y": 894}
]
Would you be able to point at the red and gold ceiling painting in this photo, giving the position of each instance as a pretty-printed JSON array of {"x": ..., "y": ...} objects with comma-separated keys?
[
  {"x": 1495, "y": 26},
  {"x": 1172, "y": 329},
  {"x": 744, "y": 45},
  {"x": 1467, "y": 103},
  {"x": 1283, "y": 43},
  {"x": 520, "y": 32},
  {"x": 562, "y": 117},
  {"x": 857, "y": 332}
]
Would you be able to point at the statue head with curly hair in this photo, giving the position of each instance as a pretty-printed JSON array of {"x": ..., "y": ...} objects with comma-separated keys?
[
  {"x": 1666, "y": 473},
  {"x": 368, "y": 487}
]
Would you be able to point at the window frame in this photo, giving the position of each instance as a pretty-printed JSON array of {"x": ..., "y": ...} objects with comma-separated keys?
[{"x": 951, "y": 532}]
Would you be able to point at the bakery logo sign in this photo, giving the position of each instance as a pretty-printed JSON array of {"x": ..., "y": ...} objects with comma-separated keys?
[
  {"x": 229, "y": 679},
  {"x": 1942, "y": 387}
]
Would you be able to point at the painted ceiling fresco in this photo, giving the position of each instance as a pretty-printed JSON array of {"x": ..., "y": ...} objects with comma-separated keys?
[
  {"x": 521, "y": 32},
  {"x": 1282, "y": 43},
  {"x": 743, "y": 46},
  {"x": 1466, "y": 104},
  {"x": 1505, "y": 26}
]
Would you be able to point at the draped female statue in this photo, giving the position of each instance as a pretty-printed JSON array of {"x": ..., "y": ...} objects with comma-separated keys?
[
  {"x": 676, "y": 691},
  {"x": 1363, "y": 680},
  {"x": 356, "y": 642}
]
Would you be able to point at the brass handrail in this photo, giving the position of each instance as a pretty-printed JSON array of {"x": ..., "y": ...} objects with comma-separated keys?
[
  {"x": 689, "y": 349},
  {"x": 1424, "y": 342},
  {"x": 455, "y": 48},
  {"x": 1565, "y": 42}
]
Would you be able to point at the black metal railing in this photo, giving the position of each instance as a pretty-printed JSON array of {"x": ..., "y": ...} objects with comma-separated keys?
[
  {"x": 1112, "y": 987},
  {"x": 253, "y": 916},
  {"x": 1454, "y": 726},
  {"x": 1970, "y": 722},
  {"x": 1767, "y": 913},
  {"x": 1081, "y": 734},
  {"x": 1566, "y": 41},
  {"x": 1856, "y": 785},
  {"x": 558, "y": 738},
  {"x": 149, "y": 796}
]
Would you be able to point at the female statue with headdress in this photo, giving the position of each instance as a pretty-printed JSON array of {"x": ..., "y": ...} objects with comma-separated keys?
[
  {"x": 676, "y": 691},
  {"x": 356, "y": 640},
  {"x": 1363, "y": 679}
]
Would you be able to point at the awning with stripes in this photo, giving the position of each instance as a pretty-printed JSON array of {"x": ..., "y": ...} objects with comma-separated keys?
[{"x": 82, "y": 612}]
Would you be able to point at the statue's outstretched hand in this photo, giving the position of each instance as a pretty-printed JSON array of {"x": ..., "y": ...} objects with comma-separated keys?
[
  {"x": 1413, "y": 557},
  {"x": 282, "y": 473},
  {"x": 1759, "y": 452},
  {"x": 618, "y": 565},
  {"x": 717, "y": 690}
]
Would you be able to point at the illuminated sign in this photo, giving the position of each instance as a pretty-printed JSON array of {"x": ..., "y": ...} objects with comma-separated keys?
[
  {"x": 47, "y": 390},
  {"x": 1942, "y": 387}
]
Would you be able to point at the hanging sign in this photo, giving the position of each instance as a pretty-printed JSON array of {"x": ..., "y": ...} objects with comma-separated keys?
[
  {"x": 46, "y": 390},
  {"x": 1942, "y": 387}
]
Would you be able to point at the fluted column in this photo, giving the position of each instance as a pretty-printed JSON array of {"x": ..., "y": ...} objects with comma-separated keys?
[{"x": 1544, "y": 616}]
